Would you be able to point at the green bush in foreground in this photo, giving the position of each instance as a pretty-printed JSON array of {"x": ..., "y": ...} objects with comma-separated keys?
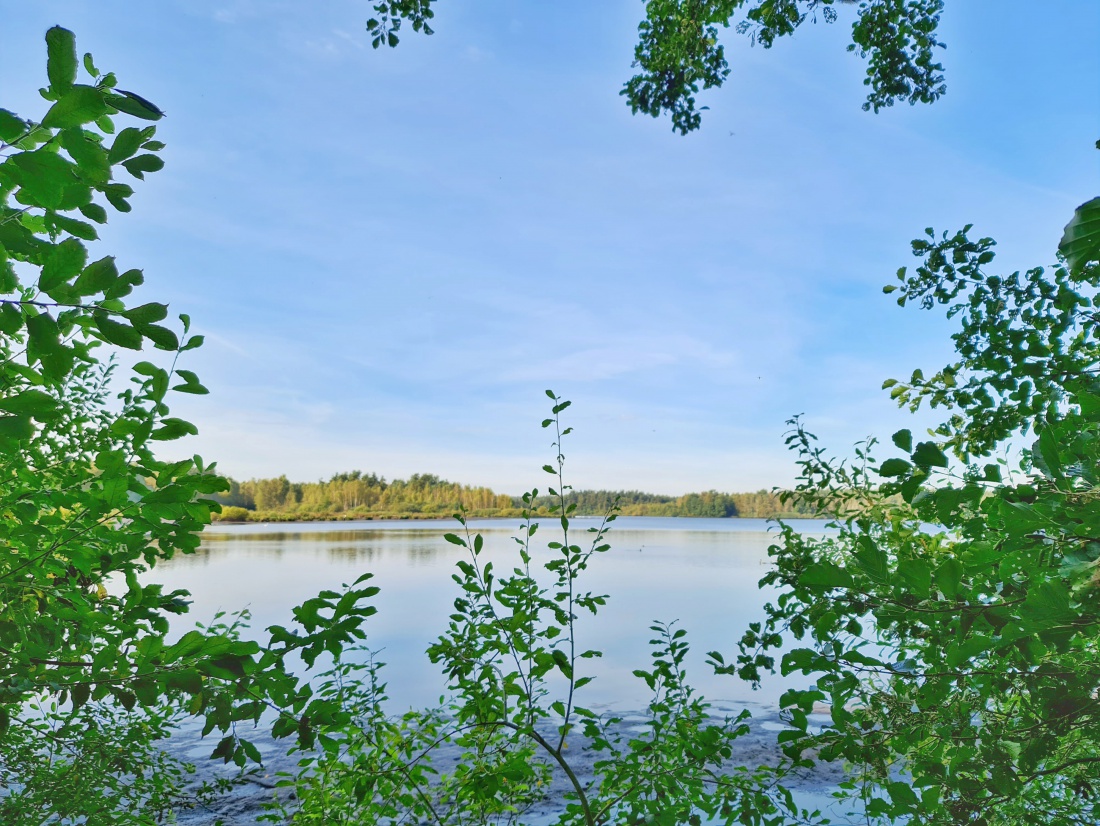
[
  {"x": 88, "y": 678},
  {"x": 516, "y": 669},
  {"x": 953, "y": 624}
]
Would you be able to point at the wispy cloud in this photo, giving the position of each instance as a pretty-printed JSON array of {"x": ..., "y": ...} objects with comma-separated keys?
[{"x": 392, "y": 252}]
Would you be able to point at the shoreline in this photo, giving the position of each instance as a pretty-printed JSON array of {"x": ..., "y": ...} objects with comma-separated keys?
[
  {"x": 268, "y": 517},
  {"x": 244, "y": 804}
]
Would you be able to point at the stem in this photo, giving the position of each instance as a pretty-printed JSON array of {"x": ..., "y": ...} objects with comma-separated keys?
[
  {"x": 569, "y": 576},
  {"x": 556, "y": 754}
]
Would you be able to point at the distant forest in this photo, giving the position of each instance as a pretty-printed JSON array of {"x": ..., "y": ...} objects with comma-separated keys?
[{"x": 358, "y": 495}]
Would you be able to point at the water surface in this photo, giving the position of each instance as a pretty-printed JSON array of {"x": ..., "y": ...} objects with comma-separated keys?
[{"x": 702, "y": 573}]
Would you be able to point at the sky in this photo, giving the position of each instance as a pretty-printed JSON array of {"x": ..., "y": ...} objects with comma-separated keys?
[{"x": 392, "y": 254}]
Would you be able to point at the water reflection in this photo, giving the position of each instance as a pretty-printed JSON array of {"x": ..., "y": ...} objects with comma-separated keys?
[{"x": 702, "y": 573}]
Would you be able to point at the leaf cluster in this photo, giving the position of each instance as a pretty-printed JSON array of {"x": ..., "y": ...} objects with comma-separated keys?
[
  {"x": 952, "y": 622},
  {"x": 89, "y": 679},
  {"x": 493, "y": 751},
  {"x": 679, "y": 52}
]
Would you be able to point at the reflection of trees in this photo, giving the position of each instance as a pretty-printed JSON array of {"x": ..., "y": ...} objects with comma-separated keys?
[
  {"x": 423, "y": 554},
  {"x": 202, "y": 555},
  {"x": 419, "y": 547},
  {"x": 356, "y": 552}
]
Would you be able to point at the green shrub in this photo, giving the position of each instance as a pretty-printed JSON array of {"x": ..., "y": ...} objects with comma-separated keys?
[{"x": 232, "y": 513}]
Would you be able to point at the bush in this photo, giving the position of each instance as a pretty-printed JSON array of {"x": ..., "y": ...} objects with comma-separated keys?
[{"x": 231, "y": 513}]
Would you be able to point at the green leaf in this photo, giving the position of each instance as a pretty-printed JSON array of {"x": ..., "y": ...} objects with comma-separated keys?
[
  {"x": 1046, "y": 447},
  {"x": 80, "y": 229},
  {"x": 193, "y": 387},
  {"x": 11, "y": 319},
  {"x": 187, "y": 680},
  {"x": 928, "y": 455},
  {"x": 125, "y": 284},
  {"x": 60, "y": 58},
  {"x": 143, "y": 163},
  {"x": 872, "y": 560},
  {"x": 97, "y": 276},
  {"x": 917, "y": 576},
  {"x": 11, "y": 126},
  {"x": 146, "y": 313},
  {"x": 43, "y": 330},
  {"x": 252, "y": 752},
  {"x": 74, "y": 196},
  {"x": 224, "y": 749},
  {"x": 162, "y": 337},
  {"x": 89, "y": 66},
  {"x": 94, "y": 212},
  {"x": 9, "y": 281},
  {"x": 112, "y": 331},
  {"x": 895, "y": 467},
  {"x": 146, "y": 692},
  {"x": 64, "y": 263},
  {"x": 117, "y": 195},
  {"x": 192, "y": 343},
  {"x": 902, "y": 794},
  {"x": 79, "y": 105},
  {"x": 89, "y": 154},
  {"x": 172, "y": 428},
  {"x": 948, "y": 577},
  {"x": 43, "y": 176},
  {"x": 562, "y": 662},
  {"x": 825, "y": 575},
  {"x": 1080, "y": 242},
  {"x": 126, "y": 144},
  {"x": 1050, "y": 602},
  {"x": 80, "y": 693},
  {"x": 904, "y": 440},
  {"x": 45, "y": 346},
  {"x": 35, "y": 403},
  {"x": 16, "y": 428},
  {"x": 134, "y": 104}
]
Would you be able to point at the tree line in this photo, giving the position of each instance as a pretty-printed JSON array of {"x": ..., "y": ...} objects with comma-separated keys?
[
  {"x": 359, "y": 494},
  {"x": 761, "y": 504},
  {"x": 355, "y": 494}
]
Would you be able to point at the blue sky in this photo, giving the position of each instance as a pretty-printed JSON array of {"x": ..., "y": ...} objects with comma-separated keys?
[{"x": 393, "y": 253}]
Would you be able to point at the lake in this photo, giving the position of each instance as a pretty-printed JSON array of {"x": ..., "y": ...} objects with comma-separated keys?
[{"x": 702, "y": 573}]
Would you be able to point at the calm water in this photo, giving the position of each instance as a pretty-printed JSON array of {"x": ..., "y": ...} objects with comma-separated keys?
[{"x": 702, "y": 573}]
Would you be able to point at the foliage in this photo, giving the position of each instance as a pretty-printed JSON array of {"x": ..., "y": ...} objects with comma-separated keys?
[
  {"x": 88, "y": 678},
  {"x": 679, "y": 53},
  {"x": 955, "y": 632},
  {"x": 358, "y": 495},
  {"x": 391, "y": 13},
  {"x": 514, "y": 659},
  {"x": 69, "y": 766},
  {"x": 761, "y": 504}
]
